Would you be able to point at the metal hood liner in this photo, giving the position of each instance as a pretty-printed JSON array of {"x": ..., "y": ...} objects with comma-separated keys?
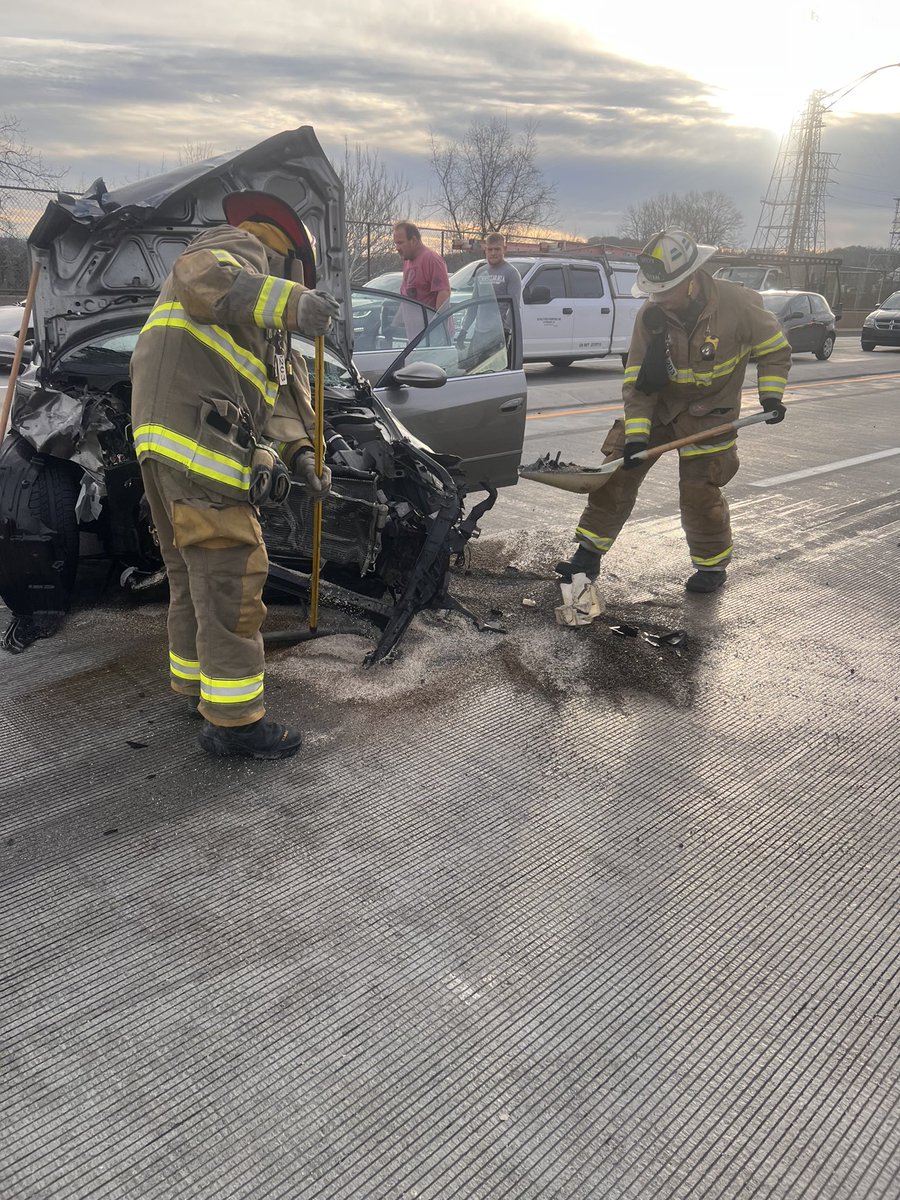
[{"x": 104, "y": 255}]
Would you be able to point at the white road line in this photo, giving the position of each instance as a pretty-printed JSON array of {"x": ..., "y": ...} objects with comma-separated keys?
[{"x": 834, "y": 466}]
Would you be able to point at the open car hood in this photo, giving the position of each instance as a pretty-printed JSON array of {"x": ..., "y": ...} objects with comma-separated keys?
[{"x": 105, "y": 255}]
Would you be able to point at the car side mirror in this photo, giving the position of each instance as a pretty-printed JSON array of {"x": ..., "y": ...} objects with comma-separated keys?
[
  {"x": 420, "y": 375},
  {"x": 838, "y": 311},
  {"x": 537, "y": 295}
]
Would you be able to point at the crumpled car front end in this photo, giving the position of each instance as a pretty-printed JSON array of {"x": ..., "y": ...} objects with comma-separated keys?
[{"x": 68, "y": 473}]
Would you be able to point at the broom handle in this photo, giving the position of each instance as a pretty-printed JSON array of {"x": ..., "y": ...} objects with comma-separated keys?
[{"x": 319, "y": 451}]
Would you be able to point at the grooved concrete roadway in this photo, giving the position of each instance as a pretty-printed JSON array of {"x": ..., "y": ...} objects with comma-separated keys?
[{"x": 553, "y": 913}]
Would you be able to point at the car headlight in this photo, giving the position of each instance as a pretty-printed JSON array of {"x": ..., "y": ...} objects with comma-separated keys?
[{"x": 869, "y": 322}]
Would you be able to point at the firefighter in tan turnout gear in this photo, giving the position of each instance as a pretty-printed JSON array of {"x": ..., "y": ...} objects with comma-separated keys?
[
  {"x": 221, "y": 413},
  {"x": 689, "y": 352}
]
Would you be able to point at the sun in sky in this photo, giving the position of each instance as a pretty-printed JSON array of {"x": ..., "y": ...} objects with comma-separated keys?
[{"x": 760, "y": 62}]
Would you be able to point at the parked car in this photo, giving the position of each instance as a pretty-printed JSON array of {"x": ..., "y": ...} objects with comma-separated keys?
[
  {"x": 882, "y": 327},
  {"x": 806, "y": 318},
  {"x": 10, "y": 324},
  {"x": 390, "y": 281},
  {"x": 402, "y": 456},
  {"x": 572, "y": 308}
]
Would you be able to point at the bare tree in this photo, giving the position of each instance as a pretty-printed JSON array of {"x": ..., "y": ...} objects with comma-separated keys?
[
  {"x": 489, "y": 182},
  {"x": 710, "y": 217},
  {"x": 373, "y": 200},
  {"x": 196, "y": 151},
  {"x": 20, "y": 166}
]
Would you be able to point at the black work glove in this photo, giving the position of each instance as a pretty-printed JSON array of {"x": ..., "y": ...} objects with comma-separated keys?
[
  {"x": 631, "y": 448},
  {"x": 772, "y": 404}
]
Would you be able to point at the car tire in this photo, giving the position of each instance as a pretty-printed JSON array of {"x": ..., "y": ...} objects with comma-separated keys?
[
  {"x": 868, "y": 345},
  {"x": 825, "y": 349},
  {"x": 37, "y": 494},
  {"x": 562, "y": 363}
]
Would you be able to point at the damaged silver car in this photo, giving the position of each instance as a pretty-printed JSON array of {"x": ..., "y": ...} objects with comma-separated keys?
[{"x": 404, "y": 448}]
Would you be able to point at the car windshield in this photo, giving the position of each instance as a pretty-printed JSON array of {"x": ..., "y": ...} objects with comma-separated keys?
[
  {"x": 390, "y": 281},
  {"x": 752, "y": 277},
  {"x": 461, "y": 280},
  {"x": 775, "y": 302},
  {"x": 115, "y": 350},
  {"x": 892, "y": 301}
]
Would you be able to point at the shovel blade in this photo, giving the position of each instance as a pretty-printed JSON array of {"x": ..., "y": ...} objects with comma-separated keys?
[{"x": 575, "y": 479}]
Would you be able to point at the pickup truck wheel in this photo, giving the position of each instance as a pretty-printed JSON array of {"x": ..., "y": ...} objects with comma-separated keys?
[
  {"x": 824, "y": 351},
  {"x": 561, "y": 362},
  {"x": 868, "y": 345}
]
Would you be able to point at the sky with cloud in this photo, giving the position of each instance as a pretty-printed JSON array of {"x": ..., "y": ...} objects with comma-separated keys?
[{"x": 628, "y": 102}]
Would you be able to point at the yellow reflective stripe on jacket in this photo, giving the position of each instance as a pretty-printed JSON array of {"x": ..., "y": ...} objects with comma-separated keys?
[
  {"x": 772, "y": 384},
  {"x": 230, "y": 691},
  {"x": 631, "y": 373},
  {"x": 599, "y": 543},
  {"x": 692, "y": 451},
  {"x": 776, "y": 342},
  {"x": 157, "y": 439},
  {"x": 224, "y": 257},
  {"x": 184, "y": 668},
  {"x": 705, "y": 378},
  {"x": 173, "y": 316},
  {"x": 637, "y": 425},
  {"x": 273, "y": 297},
  {"x": 711, "y": 562}
]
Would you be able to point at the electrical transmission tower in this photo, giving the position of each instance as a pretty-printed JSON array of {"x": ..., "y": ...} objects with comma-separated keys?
[
  {"x": 792, "y": 219},
  {"x": 895, "y": 228}
]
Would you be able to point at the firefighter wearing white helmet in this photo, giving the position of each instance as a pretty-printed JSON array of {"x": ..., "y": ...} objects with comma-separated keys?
[{"x": 690, "y": 347}]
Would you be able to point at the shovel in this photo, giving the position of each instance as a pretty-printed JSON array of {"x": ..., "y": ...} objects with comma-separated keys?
[{"x": 588, "y": 479}]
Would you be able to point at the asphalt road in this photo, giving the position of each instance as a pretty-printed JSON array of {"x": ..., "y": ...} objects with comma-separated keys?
[
  {"x": 549, "y": 914},
  {"x": 842, "y": 409}
]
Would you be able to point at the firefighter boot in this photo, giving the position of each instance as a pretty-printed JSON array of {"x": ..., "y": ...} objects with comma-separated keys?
[
  {"x": 583, "y": 561},
  {"x": 265, "y": 738},
  {"x": 705, "y": 581}
]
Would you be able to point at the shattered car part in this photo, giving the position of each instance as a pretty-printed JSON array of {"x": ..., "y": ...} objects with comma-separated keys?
[
  {"x": 677, "y": 638},
  {"x": 396, "y": 517}
]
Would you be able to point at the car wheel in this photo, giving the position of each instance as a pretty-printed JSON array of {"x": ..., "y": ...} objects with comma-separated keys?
[
  {"x": 824, "y": 351},
  {"x": 561, "y": 362},
  {"x": 37, "y": 497},
  {"x": 868, "y": 345}
]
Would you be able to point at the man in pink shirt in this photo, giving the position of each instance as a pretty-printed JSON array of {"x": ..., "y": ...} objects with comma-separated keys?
[{"x": 425, "y": 275}]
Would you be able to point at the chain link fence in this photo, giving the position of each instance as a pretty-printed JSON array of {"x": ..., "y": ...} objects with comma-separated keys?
[
  {"x": 20, "y": 208},
  {"x": 371, "y": 249},
  {"x": 370, "y": 245}
]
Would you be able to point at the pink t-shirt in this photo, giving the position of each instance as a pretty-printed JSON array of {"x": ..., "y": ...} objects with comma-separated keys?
[{"x": 424, "y": 277}]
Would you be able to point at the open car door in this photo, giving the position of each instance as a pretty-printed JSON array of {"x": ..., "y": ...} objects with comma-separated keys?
[{"x": 459, "y": 386}]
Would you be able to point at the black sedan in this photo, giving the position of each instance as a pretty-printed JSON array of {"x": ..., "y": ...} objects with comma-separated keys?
[{"x": 806, "y": 318}]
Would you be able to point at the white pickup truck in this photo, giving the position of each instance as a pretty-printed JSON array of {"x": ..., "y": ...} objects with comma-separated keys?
[{"x": 572, "y": 308}]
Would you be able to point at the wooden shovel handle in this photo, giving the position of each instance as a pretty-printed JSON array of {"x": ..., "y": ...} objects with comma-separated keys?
[{"x": 703, "y": 436}]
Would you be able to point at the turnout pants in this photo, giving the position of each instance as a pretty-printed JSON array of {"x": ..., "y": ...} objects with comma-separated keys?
[
  {"x": 703, "y": 470},
  {"x": 217, "y": 565}
]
